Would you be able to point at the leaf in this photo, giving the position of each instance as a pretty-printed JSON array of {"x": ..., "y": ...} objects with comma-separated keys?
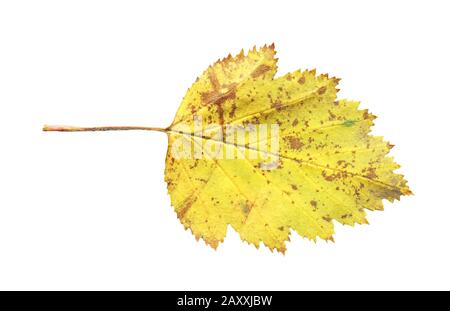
[
  {"x": 270, "y": 155},
  {"x": 328, "y": 167}
]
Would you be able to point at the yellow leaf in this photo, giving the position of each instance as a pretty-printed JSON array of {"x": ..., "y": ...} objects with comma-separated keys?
[
  {"x": 326, "y": 167},
  {"x": 269, "y": 155}
]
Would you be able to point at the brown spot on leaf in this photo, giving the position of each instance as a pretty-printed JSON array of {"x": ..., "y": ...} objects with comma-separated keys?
[
  {"x": 260, "y": 70},
  {"x": 332, "y": 115},
  {"x": 294, "y": 142},
  {"x": 217, "y": 97},
  {"x": 277, "y": 105},
  {"x": 366, "y": 114},
  {"x": 327, "y": 218},
  {"x": 301, "y": 80},
  {"x": 187, "y": 204},
  {"x": 245, "y": 208},
  {"x": 371, "y": 173},
  {"x": 343, "y": 163},
  {"x": 294, "y": 187},
  {"x": 322, "y": 90},
  {"x": 233, "y": 110},
  {"x": 295, "y": 122},
  {"x": 330, "y": 177},
  {"x": 213, "y": 79}
]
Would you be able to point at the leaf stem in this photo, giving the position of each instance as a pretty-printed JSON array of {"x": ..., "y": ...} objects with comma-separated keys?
[{"x": 68, "y": 128}]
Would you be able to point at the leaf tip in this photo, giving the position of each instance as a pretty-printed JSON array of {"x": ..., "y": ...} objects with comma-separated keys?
[{"x": 330, "y": 238}]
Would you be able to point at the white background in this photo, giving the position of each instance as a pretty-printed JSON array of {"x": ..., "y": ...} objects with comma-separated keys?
[{"x": 91, "y": 210}]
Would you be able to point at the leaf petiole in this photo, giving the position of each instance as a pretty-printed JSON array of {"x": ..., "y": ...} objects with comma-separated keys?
[{"x": 68, "y": 128}]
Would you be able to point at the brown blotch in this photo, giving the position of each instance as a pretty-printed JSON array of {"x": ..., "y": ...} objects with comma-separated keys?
[
  {"x": 294, "y": 187},
  {"x": 187, "y": 205},
  {"x": 327, "y": 218},
  {"x": 322, "y": 90},
  {"x": 301, "y": 80},
  {"x": 233, "y": 110},
  {"x": 217, "y": 97},
  {"x": 169, "y": 182},
  {"x": 245, "y": 208},
  {"x": 366, "y": 114},
  {"x": 260, "y": 70},
  {"x": 313, "y": 204},
  {"x": 277, "y": 105},
  {"x": 213, "y": 79},
  {"x": 295, "y": 122},
  {"x": 295, "y": 142},
  {"x": 371, "y": 173},
  {"x": 331, "y": 177},
  {"x": 332, "y": 115},
  {"x": 343, "y": 163}
]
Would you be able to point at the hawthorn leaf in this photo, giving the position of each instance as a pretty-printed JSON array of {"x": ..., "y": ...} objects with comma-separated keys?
[
  {"x": 329, "y": 166},
  {"x": 270, "y": 155}
]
